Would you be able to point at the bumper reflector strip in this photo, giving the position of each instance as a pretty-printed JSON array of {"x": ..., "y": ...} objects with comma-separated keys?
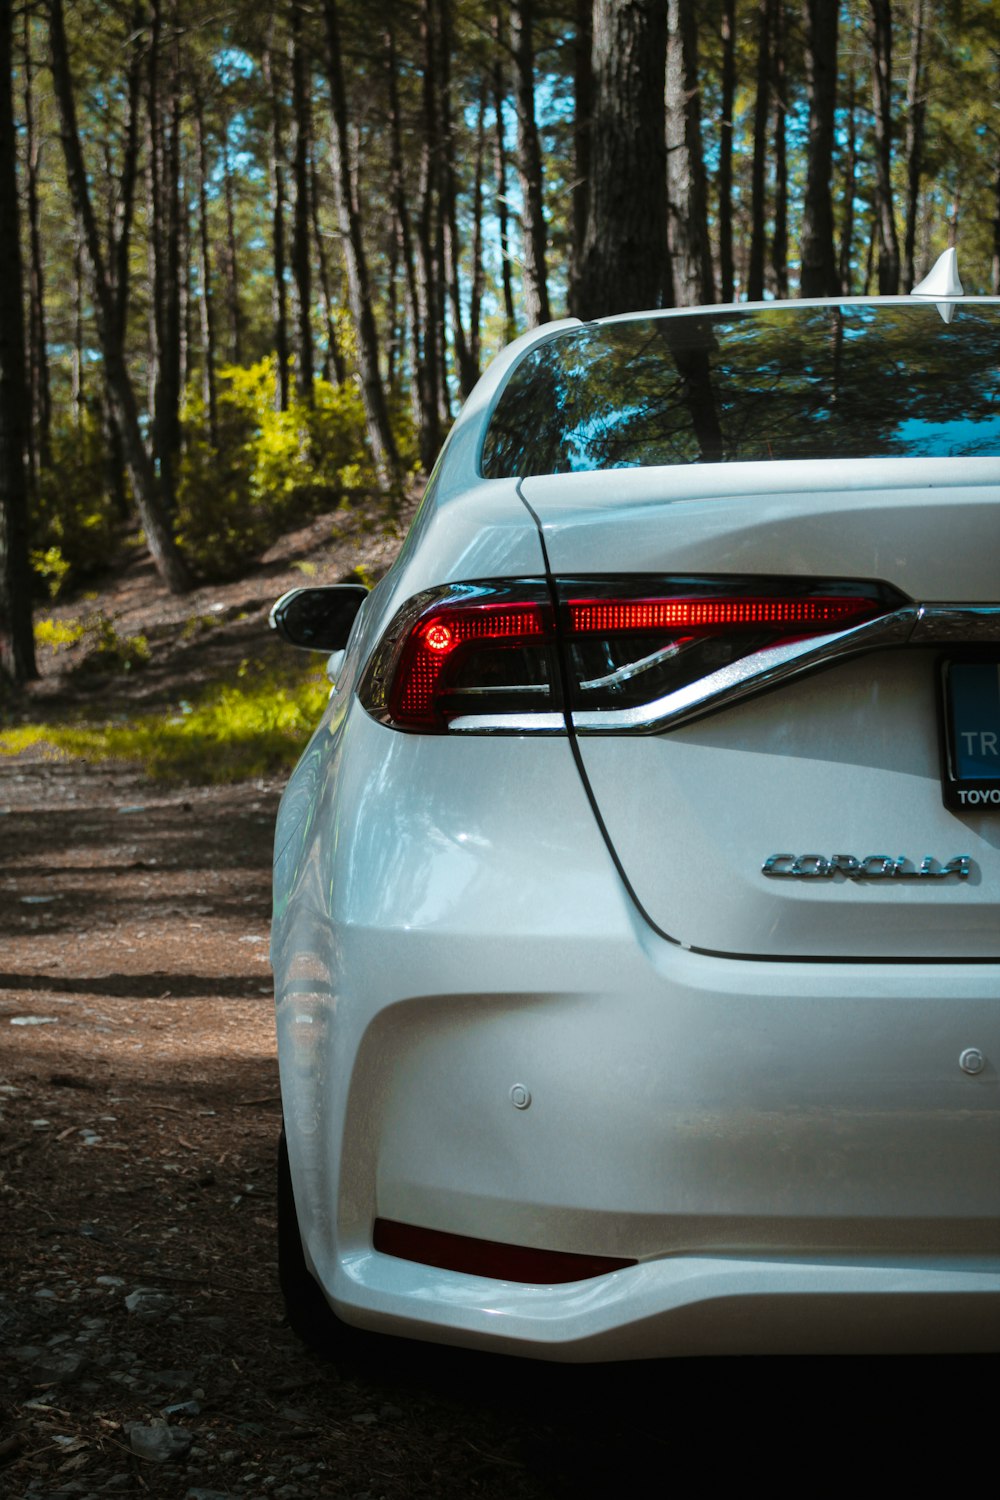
[{"x": 459, "y": 1252}]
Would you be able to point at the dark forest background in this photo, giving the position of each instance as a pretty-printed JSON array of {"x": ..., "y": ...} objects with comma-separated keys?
[{"x": 252, "y": 257}]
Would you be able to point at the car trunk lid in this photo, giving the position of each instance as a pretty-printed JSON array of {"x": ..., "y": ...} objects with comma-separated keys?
[{"x": 807, "y": 821}]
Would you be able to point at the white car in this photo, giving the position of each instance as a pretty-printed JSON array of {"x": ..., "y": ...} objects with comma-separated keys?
[{"x": 636, "y": 938}]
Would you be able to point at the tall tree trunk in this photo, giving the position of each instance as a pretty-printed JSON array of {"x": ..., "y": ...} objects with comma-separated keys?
[
  {"x": 40, "y": 421},
  {"x": 687, "y": 190},
  {"x": 231, "y": 259},
  {"x": 870, "y": 252},
  {"x": 995, "y": 287},
  {"x": 183, "y": 281},
  {"x": 206, "y": 309},
  {"x": 168, "y": 560},
  {"x": 583, "y": 127},
  {"x": 17, "y": 643},
  {"x": 529, "y": 165},
  {"x": 819, "y": 264},
  {"x": 478, "y": 274},
  {"x": 888, "y": 240},
  {"x": 301, "y": 262},
  {"x": 276, "y": 178},
  {"x": 77, "y": 358},
  {"x": 850, "y": 186},
  {"x": 124, "y": 174},
  {"x": 164, "y": 129},
  {"x": 623, "y": 267},
  {"x": 727, "y": 284},
  {"x": 500, "y": 172},
  {"x": 394, "y": 317},
  {"x": 758, "y": 195},
  {"x": 418, "y": 279},
  {"x": 431, "y": 373},
  {"x": 467, "y": 371},
  {"x": 779, "y": 94},
  {"x": 380, "y": 438},
  {"x": 955, "y": 212},
  {"x": 916, "y": 109},
  {"x": 334, "y": 367}
]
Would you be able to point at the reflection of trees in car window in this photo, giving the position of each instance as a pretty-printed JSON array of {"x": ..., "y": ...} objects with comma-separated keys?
[{"x": 783, "y": 383}]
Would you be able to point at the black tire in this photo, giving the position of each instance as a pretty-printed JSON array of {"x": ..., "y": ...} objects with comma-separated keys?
[{"x": 308, "y": 1312}]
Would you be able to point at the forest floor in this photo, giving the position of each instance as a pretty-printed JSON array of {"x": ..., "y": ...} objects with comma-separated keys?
[{"x": 144, "y": 1350}]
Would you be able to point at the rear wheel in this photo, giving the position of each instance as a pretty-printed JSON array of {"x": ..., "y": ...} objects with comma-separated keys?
[{"x": 309, "y": 1314}]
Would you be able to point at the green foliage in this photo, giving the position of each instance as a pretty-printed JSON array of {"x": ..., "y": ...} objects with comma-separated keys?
[
  {"x": 108, "y": 650},
  {"x": 252, "y": 727},
  {"x": 51, "y": 567},
  {"x": 72, "y": 518},
  {"x": 269, "y": 467},
  {"x": 57, "y": 634},
  {"x": 105, "y": 648}
]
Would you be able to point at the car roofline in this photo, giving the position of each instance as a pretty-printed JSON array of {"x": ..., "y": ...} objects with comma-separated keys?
[{"x": 769, "y": 305}]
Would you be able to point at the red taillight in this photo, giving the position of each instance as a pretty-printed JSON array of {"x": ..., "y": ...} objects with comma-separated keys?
[
  {"x": 460, "y": 1252},
  {"x": 433, "y": 658},
  {"x": 497, "y": 656},
  {"x": 587, "y": 616}
]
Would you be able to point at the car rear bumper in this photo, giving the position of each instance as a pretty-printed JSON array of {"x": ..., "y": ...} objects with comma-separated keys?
[
  {"x": 686, "y": 1305},
  {"x": 791, "y": 1151}
]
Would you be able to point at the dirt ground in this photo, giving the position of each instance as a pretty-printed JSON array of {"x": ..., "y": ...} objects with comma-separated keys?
[{"x": 144, "y": 1350}]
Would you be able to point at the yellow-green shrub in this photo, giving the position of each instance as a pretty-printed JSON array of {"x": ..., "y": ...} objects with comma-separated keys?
[
  {"x": 269, "y": 467},
  {"x": 72, "y": 515}
]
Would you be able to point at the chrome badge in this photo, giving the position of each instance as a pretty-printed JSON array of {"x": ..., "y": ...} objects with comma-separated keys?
[{"x": 870, "y": 867}]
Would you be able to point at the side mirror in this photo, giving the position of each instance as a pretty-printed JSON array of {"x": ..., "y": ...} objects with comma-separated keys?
[{"x": 318, "y": 619}]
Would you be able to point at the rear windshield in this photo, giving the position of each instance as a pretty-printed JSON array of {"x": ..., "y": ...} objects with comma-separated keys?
[{"x": 786, "y": 382}]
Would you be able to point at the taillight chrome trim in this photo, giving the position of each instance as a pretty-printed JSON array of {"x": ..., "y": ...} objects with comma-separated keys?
[
  {"x": 913, "y": 625},
  {"x": 545, "y": 722},
  {"x": 956, "y": 624},
  {"x": 749, "y": 675}
]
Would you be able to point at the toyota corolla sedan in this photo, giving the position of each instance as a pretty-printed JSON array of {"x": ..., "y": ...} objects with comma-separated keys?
[{"x": 636, "y": 938}]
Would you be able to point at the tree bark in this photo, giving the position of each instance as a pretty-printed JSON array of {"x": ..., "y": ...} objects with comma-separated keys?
[
  {"x": 124, "y": 174},
  {"x": 164, "y": 131},
  {"x": 916, "y": 109},
  {"x": 687, "y": 190},
  {"x": 231, "y": 258},
  {"x": 276, "y": 178},
  {"x": 17, "y": 643},
  {"x": 169, "y": 562},
  {"x": 206, "y": 309},
  {"x": 888, "y": 240},
  {"x": 500, "y": 172},
  {"x": 779, "y": 95},
  {"x": 819, "y": 265},
  {"x": 583, "y": 131},
  {"x": 380, "y": 438},
  {"x": 850, "y": 182},
  {"x": 301, "y": 264},
  {"x": 727, "y": 281},
  {"x": 40, "y": 422},
  {"x": 467, "y": 371},
  {"x": 77, "y": 359},
  {"x": 334, "y": 368},
  {"x": 623, "y": 267},
  {"x": 414, "y": 249},
  {"x": 758, "y": 195},
  {"x": 478, "y": 274},
  {"x": 529, "y": 165}
]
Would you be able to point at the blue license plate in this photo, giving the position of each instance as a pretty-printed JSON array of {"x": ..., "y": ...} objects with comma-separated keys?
[{"x": 972, "y": 734}]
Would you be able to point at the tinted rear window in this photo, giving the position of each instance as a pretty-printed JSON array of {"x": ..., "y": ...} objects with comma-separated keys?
[{"x": 788, "y": 382}]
